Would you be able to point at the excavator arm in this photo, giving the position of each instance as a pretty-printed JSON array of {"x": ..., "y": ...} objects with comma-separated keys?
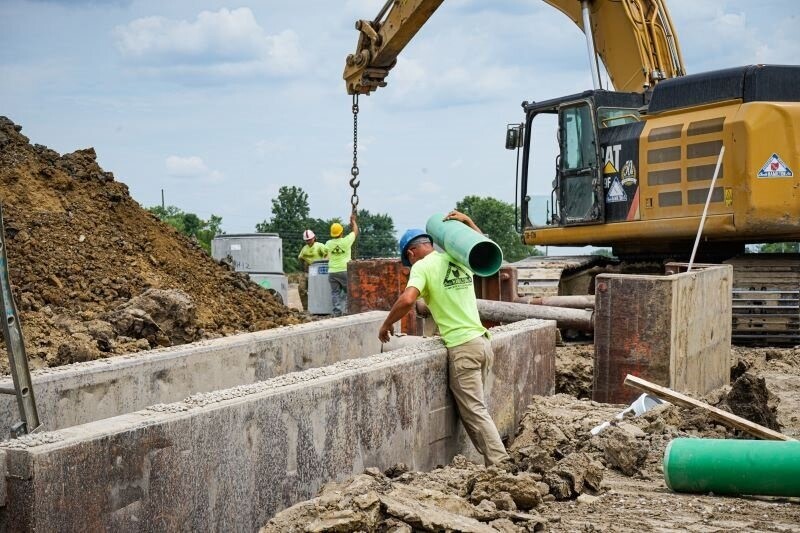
[
  {"x": 634, "y": 38},
  {"x": 381, "y": 40}
]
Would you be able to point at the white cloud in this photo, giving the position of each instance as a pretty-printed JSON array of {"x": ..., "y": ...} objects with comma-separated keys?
[
  {"x": 191, "y": 167},
  {"x": 225, "y": 43}
]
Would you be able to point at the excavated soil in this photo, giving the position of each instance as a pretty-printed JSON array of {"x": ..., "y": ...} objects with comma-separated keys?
[
  {"x": 561, "y": 478},
  {"x": 95, "y": 275},
  {"x": 574, "y": 369}
]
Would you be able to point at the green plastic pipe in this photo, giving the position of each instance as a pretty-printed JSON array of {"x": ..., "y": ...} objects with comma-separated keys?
[
  {"x": 483, "y": 256},
  {"x": 755, "y": 467}
]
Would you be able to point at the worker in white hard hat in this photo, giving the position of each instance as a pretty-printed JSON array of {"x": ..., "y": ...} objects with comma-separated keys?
[{"x": 310, "y": 252}]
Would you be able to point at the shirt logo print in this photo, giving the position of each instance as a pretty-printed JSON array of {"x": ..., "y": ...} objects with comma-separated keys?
[
  {"x": 456, "y": 277},
  {"x": 337, "y": 250}
]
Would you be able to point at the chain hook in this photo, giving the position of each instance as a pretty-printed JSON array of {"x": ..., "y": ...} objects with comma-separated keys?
[
  {"x": 354, "y": 171},
  {"x": 354, "y": 181}
]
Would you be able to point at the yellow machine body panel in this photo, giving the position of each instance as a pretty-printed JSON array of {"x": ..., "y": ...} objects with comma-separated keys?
[{"x": 756, "y": 196}]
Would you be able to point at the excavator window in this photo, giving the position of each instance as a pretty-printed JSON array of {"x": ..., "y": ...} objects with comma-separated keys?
[
  {"x": 578, "y": 196},
  {"x": 608, "y": 117},
  {"x": 577, "y": 134}
]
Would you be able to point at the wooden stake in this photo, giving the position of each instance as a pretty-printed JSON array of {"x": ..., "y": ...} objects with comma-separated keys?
[{"x": 717, "y": 414}]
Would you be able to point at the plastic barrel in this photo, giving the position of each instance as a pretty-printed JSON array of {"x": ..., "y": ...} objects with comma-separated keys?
[
  {"x": 756, "y": 467},
  {"x": 483, "y": 256}
]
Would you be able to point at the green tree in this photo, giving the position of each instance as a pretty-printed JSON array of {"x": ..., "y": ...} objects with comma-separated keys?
[
  {"x": 290, "y": 217},
  {"x": 376, "y": 237},
  {"x": 779, "y": 247},
  {"x": 194, "y": 227},
  {"x": 496, "y": 220}
]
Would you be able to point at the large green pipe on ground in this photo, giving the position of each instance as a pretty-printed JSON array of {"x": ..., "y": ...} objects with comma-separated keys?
[
  {"x": 755, "y": 467},
  {"x": 482, "y": 255}
]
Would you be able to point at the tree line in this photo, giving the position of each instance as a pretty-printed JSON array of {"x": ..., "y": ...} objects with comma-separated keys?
[{"x": 291, "y": 216}]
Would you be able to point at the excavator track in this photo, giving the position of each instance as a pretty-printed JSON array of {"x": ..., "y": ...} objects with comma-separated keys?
[{"x": 766, "y": 299}]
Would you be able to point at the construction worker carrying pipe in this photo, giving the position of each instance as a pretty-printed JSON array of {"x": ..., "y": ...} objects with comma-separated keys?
[{"x": 447, "y": 288}]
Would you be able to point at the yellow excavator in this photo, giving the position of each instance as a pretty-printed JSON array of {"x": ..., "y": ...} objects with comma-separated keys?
[{"x": 637, "y": 162}]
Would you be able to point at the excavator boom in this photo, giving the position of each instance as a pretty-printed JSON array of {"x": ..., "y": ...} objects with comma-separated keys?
[{"x": 634, "y": 38}]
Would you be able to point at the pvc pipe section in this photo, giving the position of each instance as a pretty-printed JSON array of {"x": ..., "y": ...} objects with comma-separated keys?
[
  {"x": 721, "y": 466},
  {"x": 482, "y": 255}
]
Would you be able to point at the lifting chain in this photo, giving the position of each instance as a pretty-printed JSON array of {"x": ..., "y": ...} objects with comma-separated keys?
[{"x": 354, "y": 181}]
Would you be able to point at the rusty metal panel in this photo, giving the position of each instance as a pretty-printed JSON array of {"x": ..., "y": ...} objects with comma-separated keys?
[
  {"x": 375, "y": 284},
  {"x": 631, "y": 334}
]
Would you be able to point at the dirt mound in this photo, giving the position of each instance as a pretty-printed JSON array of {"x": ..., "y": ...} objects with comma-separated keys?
[
  {"x": 750, "y": 399},
  {"x": 85, "y": 258}
]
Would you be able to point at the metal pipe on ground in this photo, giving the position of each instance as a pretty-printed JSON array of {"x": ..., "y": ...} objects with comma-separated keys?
[
  {"x": 572, "y": 302},
  {"x": 577, "y": 319}
]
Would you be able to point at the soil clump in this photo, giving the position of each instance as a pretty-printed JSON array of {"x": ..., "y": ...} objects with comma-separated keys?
[
  {"x": 575, "y": 370},
  {"x": 94, "y": 274}
]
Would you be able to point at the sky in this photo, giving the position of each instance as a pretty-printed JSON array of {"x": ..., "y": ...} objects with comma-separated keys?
[{"x": 220, "y": 103}]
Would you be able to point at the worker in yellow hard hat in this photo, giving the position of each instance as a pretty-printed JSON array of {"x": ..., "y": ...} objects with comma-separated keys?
[{"x": 339, "y": 251}]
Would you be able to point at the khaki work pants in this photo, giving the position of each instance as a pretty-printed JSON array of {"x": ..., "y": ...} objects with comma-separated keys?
[{"x": 468, "y": 365}]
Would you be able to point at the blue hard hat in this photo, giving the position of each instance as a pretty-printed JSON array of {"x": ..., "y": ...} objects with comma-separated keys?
[{"x": 406, "y": 239}]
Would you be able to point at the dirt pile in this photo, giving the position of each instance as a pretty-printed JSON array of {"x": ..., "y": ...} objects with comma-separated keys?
[
  {"x": 750, "y": 399},
  {"x": 459, "y": 497},
  {"x": 555, "y": 458},
  {"x": 96, "y": 275}
]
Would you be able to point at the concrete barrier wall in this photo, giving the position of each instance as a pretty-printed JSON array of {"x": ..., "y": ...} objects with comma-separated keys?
[
  {"x": 84, "y": 392},
  {"x": 228, "y": 460}
]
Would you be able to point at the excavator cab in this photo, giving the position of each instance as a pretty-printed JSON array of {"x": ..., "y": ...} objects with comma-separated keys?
[{"x": 592, "y": 129}]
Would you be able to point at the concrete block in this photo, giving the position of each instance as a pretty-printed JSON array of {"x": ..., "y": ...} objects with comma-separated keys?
[
  {"x": 85, "y": 392},
  {"x": 672, "y": 330},
  {"x": 228, "y": 460}
]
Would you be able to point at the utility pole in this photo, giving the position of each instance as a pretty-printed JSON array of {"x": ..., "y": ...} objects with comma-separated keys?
[{"x": 164, "y": 207}]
